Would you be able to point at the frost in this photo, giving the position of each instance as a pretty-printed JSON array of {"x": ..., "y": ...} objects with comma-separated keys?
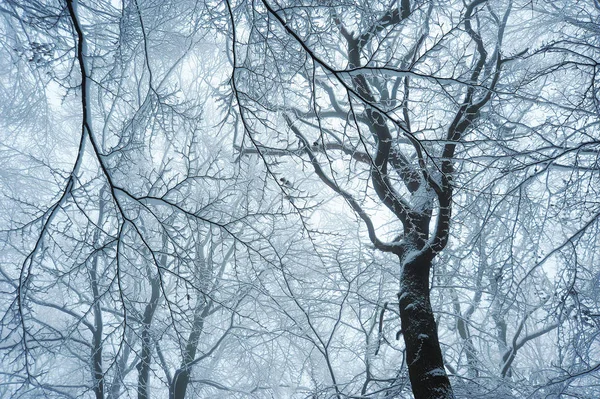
[
  {"x": 410, "y": 256},
  {"x": 423, "y": 336},
  {"x": 436, "y": 372},
  {"x": 410, "y": 306}
]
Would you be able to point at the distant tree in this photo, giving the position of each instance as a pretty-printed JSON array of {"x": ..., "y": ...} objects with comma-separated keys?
[{"x": 112, "y": 202}]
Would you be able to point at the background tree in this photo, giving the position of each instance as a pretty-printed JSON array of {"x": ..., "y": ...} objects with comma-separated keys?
[{"x": 105, "y": 258}]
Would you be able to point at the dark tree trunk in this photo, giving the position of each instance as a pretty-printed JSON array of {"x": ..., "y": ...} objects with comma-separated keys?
[
  {"x": 179, "y": 385},
  {"x": 143, "y": 366},
  {"x": 98, "y": 372},
  {"x": 181, "y": 378},
  {"x": 423, "y": 354},
  {"x": 97, "y": 364}
]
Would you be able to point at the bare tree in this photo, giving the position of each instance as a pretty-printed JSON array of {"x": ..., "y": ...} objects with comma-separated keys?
[{"x": 358, "y": 87}]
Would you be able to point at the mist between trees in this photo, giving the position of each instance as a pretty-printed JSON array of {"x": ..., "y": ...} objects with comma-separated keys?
[{"x": 299, "y": 199}]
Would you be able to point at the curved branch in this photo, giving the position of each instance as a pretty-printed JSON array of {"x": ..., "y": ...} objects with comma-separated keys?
[{"x": 394, "y": 248}]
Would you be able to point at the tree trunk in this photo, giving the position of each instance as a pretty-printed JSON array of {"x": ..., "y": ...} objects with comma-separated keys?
[
  {"x": 463, "y": 330},
  {"x": 423, "y": 353},
  {"x": 179, "y": 385},
  {"x": 181, "y": 378},
  {"x": 98, "y": 373},
  {"x": 143, "y": 366}
]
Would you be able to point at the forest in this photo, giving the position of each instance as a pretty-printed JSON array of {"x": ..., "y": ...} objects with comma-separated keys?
[{"x": 303, "y": 199}]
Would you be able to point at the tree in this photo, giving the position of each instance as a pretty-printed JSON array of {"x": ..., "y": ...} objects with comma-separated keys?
[
  {"x": 100, "y": 258},
  {"x": 357, "y": 91},
  {"x": 543, "y": 157}
]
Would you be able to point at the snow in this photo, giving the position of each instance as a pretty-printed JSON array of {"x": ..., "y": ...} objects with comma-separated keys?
[
  {"x": 410, "y": 256},
  {"x": 436, "y": 372}
]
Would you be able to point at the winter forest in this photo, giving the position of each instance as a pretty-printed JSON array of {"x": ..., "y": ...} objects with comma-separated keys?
[{"x": 300, "y": 199}]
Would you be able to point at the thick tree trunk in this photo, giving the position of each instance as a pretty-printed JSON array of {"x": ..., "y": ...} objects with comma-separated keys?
[
  {"x": 179, "y": 385},
  {"x": 423, "y": 353}
]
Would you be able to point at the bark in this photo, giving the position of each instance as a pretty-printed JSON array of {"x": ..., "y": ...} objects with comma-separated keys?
[
  {"x": 204, "y": 306},
  {"x": 463, "y": 330},
  {"x": 426, "y": 371},
  {"x": 146, "y": 356},
  {"x": 498, "y": 317},
  {"x": 181, "y": 378},
  {"x": 98, "y": 373}
]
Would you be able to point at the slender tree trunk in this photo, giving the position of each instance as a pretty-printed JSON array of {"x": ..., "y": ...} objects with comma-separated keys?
[
  {"x": 423, "y": 353},
  {"x": 98, "y": 372},
  {"x": 146, "y": 358},
  {"x": 204, "y": 305},
  {"x": 120, "y": 369},
  {"x": 97, "y": 369},
  {"x": 463, "y": 330},
  {"x": 181, "y": 378},
  {"x": 500, "y": 322}
]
